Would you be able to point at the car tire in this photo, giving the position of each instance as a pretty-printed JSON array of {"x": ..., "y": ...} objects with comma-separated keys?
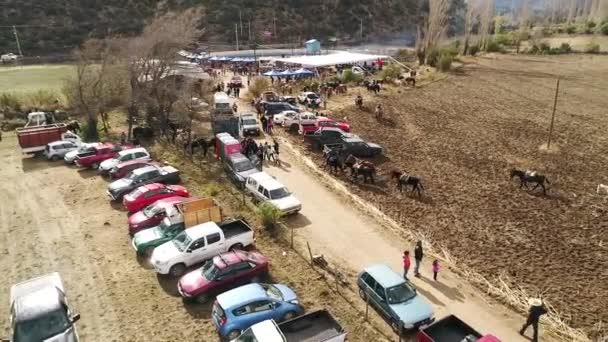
[
  {"x": 362, "y": 294},
  {"x": 232, "y": 335},
  {"x": 288, "y": 316},
  {"x": 55, "y": 158},
  {"x": 177, "y": 270},
  {"x": 148, "y": 251},
  {"x": 95, "y": 166},
  {"x": 202, "y": 298}
]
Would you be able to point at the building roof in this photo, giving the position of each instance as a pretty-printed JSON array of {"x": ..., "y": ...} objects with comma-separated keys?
[
  {"x": 384, "y": 275},
  {"x": 340, "y": 57}
]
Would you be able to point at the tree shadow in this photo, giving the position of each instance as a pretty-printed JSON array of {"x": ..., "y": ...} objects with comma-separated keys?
[
  {"x": 297, "y": 221},
  {"x": 450, "y": 292},
  {"x": 34, "y": 164}
]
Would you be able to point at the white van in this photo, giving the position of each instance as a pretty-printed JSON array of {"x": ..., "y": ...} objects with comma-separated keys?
[
  {"x": 267, "y": 189},
  {"x": 222, "y": 104}
]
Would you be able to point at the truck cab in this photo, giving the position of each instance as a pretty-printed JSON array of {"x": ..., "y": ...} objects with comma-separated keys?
[{"x": 40, "y": 311}]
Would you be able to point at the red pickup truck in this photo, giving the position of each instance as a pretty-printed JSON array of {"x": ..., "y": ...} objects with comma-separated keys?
[
  {"x": 452, "y": 329},
  {"x": 102, "y": 152}
]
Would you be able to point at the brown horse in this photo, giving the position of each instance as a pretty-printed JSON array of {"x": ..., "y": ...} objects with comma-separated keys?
[
  {"x": 526, "y": 177},
  {"x": 360, "y": 167},
  {"x": 403, "y": 179}
]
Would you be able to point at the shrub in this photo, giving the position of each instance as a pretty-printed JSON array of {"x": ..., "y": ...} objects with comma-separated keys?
[
  {"x": 591, "y": 24},
  {"x": 604, "y": 28},
  {"x": 10, "y": 101},
  {"x": 473, "y": 50},
  {"x": 392, "y": 71},
  {"x": 451, "y": 51},
  {"x": 348, "y": 76},
  {"x": 502, "y": 39},
  {"x": 493, "y": 46},
  {"x": 212, "y": 189},
  {"x": 42, "y": 99},
  {"x": 445, "y": 62},
  {"x": 571, "y": 29},
  {"x": 269, "y": 214},
  {"x": 258, "y": 85},
  {"x": 565, "y": 48},
  {"x": 544, "y": 48},
  {"x": 9, "y": 125},
  {"x": 432, "y": 57},
  {"x": 592, "y": 48}
]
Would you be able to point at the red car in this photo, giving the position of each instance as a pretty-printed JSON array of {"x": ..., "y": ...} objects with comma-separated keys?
[
  {"x": 150, "y": 193},
  {"x": 153, "y": 214},
  {"x": 123, "y": 169},
  {"x": 326, "y": 122},
  {"x": 101, "y": 153},
  {"x": 223, "y": 272}
]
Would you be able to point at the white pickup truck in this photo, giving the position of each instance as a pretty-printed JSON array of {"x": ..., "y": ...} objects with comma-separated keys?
[{"x": 199, "y": 243}]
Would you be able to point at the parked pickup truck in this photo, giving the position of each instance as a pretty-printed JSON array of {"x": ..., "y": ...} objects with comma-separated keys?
[
  {"x": 142, "y": 176},
  {"x": 304, "y": 118},
  {"x": 40, "y": 311},
  {"x": 100, "y": 153},
  {"x": 324, "y": 136},
  {"x": 200, "y": 243},
  {"x": 352, "y": 144},
  {"x": 179, "y": 217},
  {"x": 33, "y": 140},
  {"x": 452, "y": 329},
  {"x": 317, "y": 326}
]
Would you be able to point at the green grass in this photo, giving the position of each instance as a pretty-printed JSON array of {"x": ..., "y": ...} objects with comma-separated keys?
[{"x": 31, "y": 78}]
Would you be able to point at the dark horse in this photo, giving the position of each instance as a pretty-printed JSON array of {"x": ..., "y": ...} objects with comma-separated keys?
[
  {"x": 360, "y": 167},
  {"x": 527, "y": 176},
  {"x": 403, "y": 179},
  {"x": 332, "y": 160},
  {"x": 200, "y": 143}
]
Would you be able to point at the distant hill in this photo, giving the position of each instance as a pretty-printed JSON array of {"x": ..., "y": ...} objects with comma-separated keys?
[{"x": 47, "y": 27}]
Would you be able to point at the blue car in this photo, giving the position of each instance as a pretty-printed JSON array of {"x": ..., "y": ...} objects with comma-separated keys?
[
  {"x": 240, "y": 308},
  {"x": 394, "y": 298}
]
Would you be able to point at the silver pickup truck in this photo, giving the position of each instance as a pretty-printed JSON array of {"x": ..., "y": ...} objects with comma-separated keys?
[{"x": 40, "y": 311}]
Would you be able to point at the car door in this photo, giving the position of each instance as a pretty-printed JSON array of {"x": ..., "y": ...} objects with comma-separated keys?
[
  {"x": 261, "y": 310},
  {"x": 215, "y": 245},
  {"x": 241, "y": 273},
  {"x": 196, "y": 252},
  {"x": 382, "y": 304}
]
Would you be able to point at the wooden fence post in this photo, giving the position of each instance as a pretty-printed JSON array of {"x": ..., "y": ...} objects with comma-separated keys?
[
  {"x": 366, "y": 307},
  {"x": 291, "y": 228},
  {"x": 310, "y": 254}
]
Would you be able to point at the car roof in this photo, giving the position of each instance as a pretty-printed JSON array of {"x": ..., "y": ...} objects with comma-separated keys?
[
  {"x": 230, "y": 258},
  {"x": 200, "y": 230},
  {"x": 103, "y": 146},
  {"x": 241, "y": 295},
  {"x": 384, "y": 275},
  {"x": 37, "y": 303},
  {"x": 132, "y": 150},
  {"x": 174, "y": 199},
  {"x": 134, "y": 162},
  {"x": 144, "y": 169},
  {"x": 153, "y": 186},
  {"x": 266, "y": 181}
]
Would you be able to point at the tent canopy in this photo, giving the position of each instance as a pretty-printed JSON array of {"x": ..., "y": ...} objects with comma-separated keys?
[
  {"x": 341, "y": 57},
  {"x": 303, "y": 71},
  {"x": 273, "y": 73}
]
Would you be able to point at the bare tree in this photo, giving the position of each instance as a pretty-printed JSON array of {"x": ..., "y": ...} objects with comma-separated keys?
[
  {"x": 437, "y": 22},
  {"x": 470, "y": 15},
  {"x": 487, "y": 15},
  {"x": 571, "y": 11}
]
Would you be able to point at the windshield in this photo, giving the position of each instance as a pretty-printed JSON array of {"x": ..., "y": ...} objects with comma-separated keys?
[
  {"x": 247, "y": 336},
  {"x": 400, "y": 293},
  {"x": 243, "y": 165},
  {"x": 86, "y": 149},
  {"x": 182, "y": 241},
  {"x": 279, "y": 193},
  {"x": 273, "y": 292},
  {"x": 152, "y": 210},
  {"x": 209, "y": 270},
  {"x": 42, "y": 328},
  {"x": 249, "y": 122}
]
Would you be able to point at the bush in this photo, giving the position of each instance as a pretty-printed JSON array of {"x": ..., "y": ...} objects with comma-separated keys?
[
  {"x": 9, "y": 125},
  {"x": 590, "y": 24},
  {"x": 10, "y": 102},
  {"x": 432, "y": 57},
  {"x": 258, "y": 85},
  {"x": 445, "y": 62},
  {"x": 473, "y": 50},
  {"x": 269, "y": 214},
  {"x": 544, "y": 48},
  {"x": 565, "y": 48},
  {"x": 571, "y": 29},
  {"x": 348, "y": 76},
  {"x": 503, "y": 39},
  {"x": 592, "y": 48},
  {"x": 392, "y": 71},
  {"x": 493, "y": 46},
  {"x": 604, "y": 28}
]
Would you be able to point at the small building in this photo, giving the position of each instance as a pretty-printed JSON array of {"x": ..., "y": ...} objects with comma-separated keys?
[{"x": 313, "y": 47}]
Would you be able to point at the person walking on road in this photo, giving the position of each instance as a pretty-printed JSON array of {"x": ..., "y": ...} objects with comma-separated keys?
[
  {"x": 406, "y": 263},
  {"x": 418, "y": 255},
  {"x": 270, "y": 126},
  {"x": 264, "y": 121},
  {"x": 435, "y": 269},
  {"x": 537, "y": 309}
]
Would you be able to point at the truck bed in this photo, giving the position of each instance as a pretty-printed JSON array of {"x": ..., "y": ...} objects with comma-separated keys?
[
  {"x": 449, "y": 329},
  {"x": 316, "y": 326},
  {"x": 233, "y": 228}
]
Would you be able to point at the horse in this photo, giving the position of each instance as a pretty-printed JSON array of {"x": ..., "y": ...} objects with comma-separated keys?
[
  {"x": 528, "y": 176},
  {"x": 200, "y": 143},
  {"x": 403, "y": 179},
  {"x": 73, "y": 126},
  {"x": 143, "y": 132},
  {"x": 360, "y": 167}
]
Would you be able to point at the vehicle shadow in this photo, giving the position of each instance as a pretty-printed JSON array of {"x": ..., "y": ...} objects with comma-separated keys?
[
  {"x": 30, "y": 164},
  {"x": 297, "y": 221},
  {"x": 143, "y": 261},
  {"x": 450, "y": 292},
  {"x": 118, "y": 206},
  {"x": 168, "y": 284},
  {"x": 88, "y": 173},
  {"x": 197, "y": 310}
]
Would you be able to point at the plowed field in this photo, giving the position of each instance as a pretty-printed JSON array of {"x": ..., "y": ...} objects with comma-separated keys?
[{"x": 463, "y": 134}]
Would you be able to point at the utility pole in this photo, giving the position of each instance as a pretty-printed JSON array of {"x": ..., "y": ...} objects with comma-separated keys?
[
  {"x": 553, "y": 115},
  {"x": 236, "y": 34},
  {"x": 274, "y": 25},
  {"x": 17, "y": 40}
]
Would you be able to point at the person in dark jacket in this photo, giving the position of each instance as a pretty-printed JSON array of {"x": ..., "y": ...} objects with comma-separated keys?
[
  {"x": 537, "y": 309},
  {"x": 418, "y": 255}
]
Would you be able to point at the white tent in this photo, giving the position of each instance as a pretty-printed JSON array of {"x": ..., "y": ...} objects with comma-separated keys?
[{"x": 341, "y": 57}]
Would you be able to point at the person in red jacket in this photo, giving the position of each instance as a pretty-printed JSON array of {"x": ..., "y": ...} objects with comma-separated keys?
[{"x": 406, "y": 263}]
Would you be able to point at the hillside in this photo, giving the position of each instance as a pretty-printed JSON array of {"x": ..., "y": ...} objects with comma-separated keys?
[{"x": 47, "y": 27}]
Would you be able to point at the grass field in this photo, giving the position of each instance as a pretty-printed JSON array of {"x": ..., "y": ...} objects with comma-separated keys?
[{"x": 30, "y": 78}]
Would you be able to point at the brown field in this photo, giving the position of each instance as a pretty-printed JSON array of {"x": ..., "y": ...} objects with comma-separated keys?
[{"x": 463, "y": 134}]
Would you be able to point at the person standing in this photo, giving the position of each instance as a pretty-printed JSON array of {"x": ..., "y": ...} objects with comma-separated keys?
[
  {"x": 270, "y": 126},
  {"x": 418, "y": 255},
  {"x": 264, "y": 121},
  {"x": 406, "y": 263},
  {"x": 537, "y": 309},
  {"x": 435, "y": 269}
]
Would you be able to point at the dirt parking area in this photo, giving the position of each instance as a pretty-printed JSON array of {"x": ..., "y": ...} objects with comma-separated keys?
[
  {"x": 463, "y": 134},
  {"x": 58, "y": 218}
]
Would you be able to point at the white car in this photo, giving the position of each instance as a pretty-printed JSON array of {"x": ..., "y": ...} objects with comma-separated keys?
[
  {"x": 267, "y": 189},
  {"x": 279, "y": 118},
  {"x": 9, "y": 57},
  {"x": 58, "y": 149},
  {"x": 138, "y": 153},
  {"x": 309, "y": 97},
  {"x": 305, "y": 118},
  {"x": 70, "y": 157}
]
